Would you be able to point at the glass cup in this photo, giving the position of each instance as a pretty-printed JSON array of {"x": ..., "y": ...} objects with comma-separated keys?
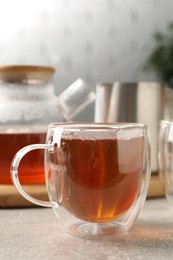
[
  {"x": 97, "y": 175},
  {"x": 165, "y": 157}
]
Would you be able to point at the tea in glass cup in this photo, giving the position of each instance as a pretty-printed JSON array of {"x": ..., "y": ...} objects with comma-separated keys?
[{"x": 97, "y": 175}]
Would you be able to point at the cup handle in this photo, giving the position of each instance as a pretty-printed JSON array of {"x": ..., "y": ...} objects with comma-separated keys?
[{"x": 14, "y": 173}]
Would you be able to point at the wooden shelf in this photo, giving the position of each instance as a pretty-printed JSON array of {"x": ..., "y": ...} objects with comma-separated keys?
[
  {"x": 156, "y": 188},
  {"x": 10, "y": 197}
]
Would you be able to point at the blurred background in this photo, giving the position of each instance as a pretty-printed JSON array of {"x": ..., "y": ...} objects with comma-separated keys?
[{"x": 99, "y": 41}]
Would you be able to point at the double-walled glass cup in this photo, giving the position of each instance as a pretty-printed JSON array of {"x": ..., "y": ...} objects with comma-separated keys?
[
  {"x": 97, "y": 175},
  {"x": 165, "y": 157}
]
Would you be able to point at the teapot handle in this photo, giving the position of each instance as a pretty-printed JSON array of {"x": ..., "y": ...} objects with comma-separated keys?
[
  {"x": 14, "y": 173},
  {"x": 75, "y": 98}
]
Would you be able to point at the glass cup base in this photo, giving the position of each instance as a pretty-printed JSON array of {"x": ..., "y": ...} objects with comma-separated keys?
[{"x": 86, "y": 229}]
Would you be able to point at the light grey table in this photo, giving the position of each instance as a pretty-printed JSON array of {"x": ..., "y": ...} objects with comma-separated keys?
[{"x": 34, "y": 233}]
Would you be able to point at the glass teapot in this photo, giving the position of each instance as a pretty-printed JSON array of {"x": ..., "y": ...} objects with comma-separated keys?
[{"x": 27, "y": 105}]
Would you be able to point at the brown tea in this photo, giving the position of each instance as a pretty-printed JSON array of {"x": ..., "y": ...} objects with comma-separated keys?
[
  {"x": 97, "y": 180},
  {"x": 31, "y": 170}
]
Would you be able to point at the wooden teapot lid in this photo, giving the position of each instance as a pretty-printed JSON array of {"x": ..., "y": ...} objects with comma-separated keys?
[{"x": 20, "y": 72}]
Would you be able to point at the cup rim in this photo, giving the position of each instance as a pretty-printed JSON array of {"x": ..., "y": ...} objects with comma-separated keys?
[
  {"x": 166, "y": 122},
  {"x": 98, "y": 125}
]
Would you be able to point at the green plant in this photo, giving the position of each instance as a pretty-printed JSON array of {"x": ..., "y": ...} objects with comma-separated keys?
[{"x": 160, "y": 59}]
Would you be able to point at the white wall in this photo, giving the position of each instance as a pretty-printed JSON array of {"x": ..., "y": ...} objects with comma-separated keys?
[{"x": 98, "y": 40}]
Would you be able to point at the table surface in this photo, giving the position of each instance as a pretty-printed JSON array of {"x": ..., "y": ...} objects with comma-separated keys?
[{"x": 34, "y": 233}]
